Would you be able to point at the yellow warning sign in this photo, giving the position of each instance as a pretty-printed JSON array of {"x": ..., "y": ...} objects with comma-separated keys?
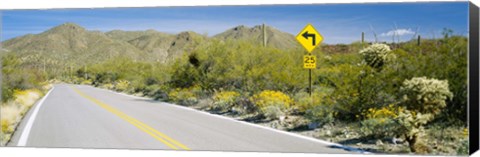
[
  {"x": 309, "y": 38},
  {"x": 309, "y": 62}
]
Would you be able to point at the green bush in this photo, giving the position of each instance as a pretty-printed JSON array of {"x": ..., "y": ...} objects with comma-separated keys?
[
  {"x": 343, "y": 79},
  {"x": 122, "y": 85},
  {"x": 319, "y": 107},
  {"x": 304, "y": 102},
  {"x": 463, "y": 148},
  {"x": 18, "y": 76},
  {"x": 273, "y": 112},
  {"x": 322, "y": 113}
]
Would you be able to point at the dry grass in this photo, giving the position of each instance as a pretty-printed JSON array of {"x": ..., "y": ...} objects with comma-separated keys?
[{"x": 12, "y": 112}]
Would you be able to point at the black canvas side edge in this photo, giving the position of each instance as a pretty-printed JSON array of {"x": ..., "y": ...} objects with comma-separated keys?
[{"x": 473, "y": 78}]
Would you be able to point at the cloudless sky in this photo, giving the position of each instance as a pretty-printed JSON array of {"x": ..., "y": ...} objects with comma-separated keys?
[{"x": 338, "y": 23}]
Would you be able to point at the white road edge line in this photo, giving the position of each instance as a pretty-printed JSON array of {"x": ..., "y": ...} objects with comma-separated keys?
[
  {"x": 243, "y": 122},
  {"x": 26, "y": 131}
]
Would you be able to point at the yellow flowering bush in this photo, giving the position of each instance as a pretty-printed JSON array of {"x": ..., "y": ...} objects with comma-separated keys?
[
  {"x": 25, "y": 97},
  {"x": 465, "y": 132},
  {"x": 381, "y": 122},
  {"x": 271, "y": 98},
  {"x": 86, "y": 82},
  {"x": 389, "y": 111},
  {"x": 13, "y": 110},
  {"x": 271, "y": 103},
  {"x": 224, "y": 100},
  {"x": 183, "y": 96},
  {"x": 6, "y": 126}
]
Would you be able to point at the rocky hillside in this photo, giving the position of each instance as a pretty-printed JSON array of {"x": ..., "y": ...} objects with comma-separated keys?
[
  {"x": 275, "y": 37},
  {"x": 72, "y": 45}
]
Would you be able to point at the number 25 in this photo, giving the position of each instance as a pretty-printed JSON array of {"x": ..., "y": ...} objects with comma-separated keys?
[{"x": 309, "y": 59}]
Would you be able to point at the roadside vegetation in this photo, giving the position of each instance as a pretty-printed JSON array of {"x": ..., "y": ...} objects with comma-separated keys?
[
  {"x": 392, "y": 100},
  {"x": 21, "y": 88},
  {"x": 384, "y": 98}
]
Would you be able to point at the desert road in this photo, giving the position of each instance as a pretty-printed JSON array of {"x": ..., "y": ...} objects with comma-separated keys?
[{"x": 87, "y": 117}]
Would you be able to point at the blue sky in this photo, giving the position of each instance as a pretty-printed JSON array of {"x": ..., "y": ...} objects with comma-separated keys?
[{"x": 338, "y": 23}]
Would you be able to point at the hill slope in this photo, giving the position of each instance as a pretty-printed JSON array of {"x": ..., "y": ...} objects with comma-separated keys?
[
  {"x": 275, "y": 37},
  {"x": 70, "y": 44},
  {"x": 163, "y": 47}
]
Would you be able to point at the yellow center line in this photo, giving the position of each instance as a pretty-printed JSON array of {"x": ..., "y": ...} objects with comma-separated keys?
[{"x": 142, "y": 126}]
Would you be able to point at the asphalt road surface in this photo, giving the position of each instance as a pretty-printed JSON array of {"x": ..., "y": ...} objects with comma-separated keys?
[{"x": 86, "y": 117}]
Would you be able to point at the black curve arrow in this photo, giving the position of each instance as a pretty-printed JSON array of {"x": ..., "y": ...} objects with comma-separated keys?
[{"x": 306, "y": 35}]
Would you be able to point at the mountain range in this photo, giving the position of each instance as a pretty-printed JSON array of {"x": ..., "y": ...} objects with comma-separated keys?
[{"x": 70, "y": 43}]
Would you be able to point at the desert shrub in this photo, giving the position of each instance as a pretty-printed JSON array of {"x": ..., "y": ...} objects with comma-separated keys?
[
  {"x": 224, "y": 100},
  {"x": 377, "y": 55},
  {"x": 322, "y": 113},
  {"x": 423, "y": 99},
  {"x": 343, "y": 79},
  {"x": 27, "y": 97},
  {"x": 272, "y": 101},
  {"x": 107, "y": 86},
  {"x": 184, "y": 96},
  {"x": 86, "y": 82},
  {"x": 244, "y": 105},
  {"x": 122, "y": 85},
  {"x": 463, "y": 148},
  {"x": 318, "y": 108},
  {"x": 6, "y": 131},
  {"x": 157, "y": 92},
  {"x": 10, "y": 114},
  {"x": 425, "y": 95},
  {"x": 465, "y": 132},
  {"x": 104, "y": 78},
  {"x": 183, "y": 75},
  {"x": 273, "y": 112},
  {"x": 240, "y": 65},
  {"x": 17, "y": 76},
  {"x": 422, "y": 148},
  {"x": 304, "y": 102},
  {"x": 411, "y": 126},
  {"x": 12, "y": 111},
  {"x": 7, "y": 93},
  {"x": 380, "y": 122},
  {"x": 445, "y": 59}
]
